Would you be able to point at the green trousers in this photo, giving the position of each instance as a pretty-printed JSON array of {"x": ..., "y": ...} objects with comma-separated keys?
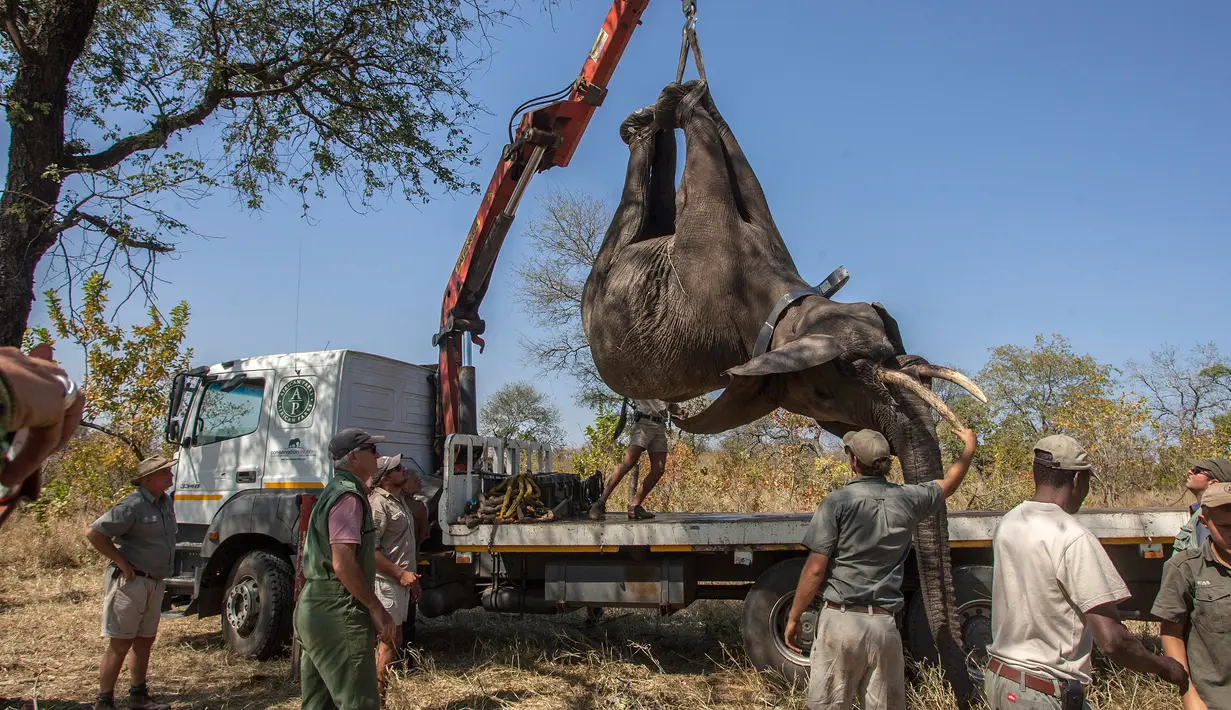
[{"x": 337, "y": 669}]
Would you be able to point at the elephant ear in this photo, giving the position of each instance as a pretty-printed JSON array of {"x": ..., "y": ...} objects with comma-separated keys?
[{"x": 808, "y": 351}]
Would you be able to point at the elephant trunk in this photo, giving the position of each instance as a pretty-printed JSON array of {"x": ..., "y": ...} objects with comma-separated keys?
[{"x": 913, "y": 436}]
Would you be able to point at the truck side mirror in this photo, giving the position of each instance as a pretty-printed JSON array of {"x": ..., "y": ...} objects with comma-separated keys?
[{"x": 172, "y": 428}]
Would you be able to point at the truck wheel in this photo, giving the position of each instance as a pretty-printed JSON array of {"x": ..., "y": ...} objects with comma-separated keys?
[
  {"x": 258, "y": 605},
  {"x": 972, "y": 587},
  {"x": 765, "y": 612}
]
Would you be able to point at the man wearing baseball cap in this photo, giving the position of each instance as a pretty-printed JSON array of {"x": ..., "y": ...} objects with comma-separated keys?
[
  {"x": 1201, "y": 473},
  {"x": 1054, "y": 595},
  {"x": 1194, "y": 604},
  {"x": 397, "y": 585},
  {"x": 338, "y": 611},
  {"x": 859, "y": 539},
  {"x": 138, "y": 536}
]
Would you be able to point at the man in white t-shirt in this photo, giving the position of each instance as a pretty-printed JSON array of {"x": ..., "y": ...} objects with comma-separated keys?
[
  {"x": 648, "y": 433},
  {"x": 1054, "y": 595}
]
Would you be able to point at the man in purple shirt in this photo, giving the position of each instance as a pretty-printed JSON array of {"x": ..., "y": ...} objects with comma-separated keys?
[{"x": 339, "y": 617}]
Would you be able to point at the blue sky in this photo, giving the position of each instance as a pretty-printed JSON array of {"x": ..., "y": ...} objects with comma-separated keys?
[{"x": 987, "y": 170}]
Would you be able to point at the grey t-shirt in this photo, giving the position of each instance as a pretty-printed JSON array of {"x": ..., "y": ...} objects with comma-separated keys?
[
  {"x": 143, "y": 530},
  {"x": 865, "y": 529}
]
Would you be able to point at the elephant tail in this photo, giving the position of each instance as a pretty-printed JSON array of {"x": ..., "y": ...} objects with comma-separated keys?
[{"x": 623, "y": 420}]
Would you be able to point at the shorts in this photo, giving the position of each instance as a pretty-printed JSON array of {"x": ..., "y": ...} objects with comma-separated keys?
[
  {"x": 648, "y": 435},
  {"x": 132, "y": 608},
  {"x": 394, "y": 597}
]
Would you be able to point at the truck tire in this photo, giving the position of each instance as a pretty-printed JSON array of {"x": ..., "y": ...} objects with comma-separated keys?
[
  {"x": 972, "y": 587},
  {"x": 258, "y": 605},
  {"x": 765, "y": 612}
]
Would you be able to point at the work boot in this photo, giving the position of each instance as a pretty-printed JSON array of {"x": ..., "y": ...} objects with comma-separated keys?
[
  {"x": 636, "y": 512},
  {"x": 139, "y": 699},
  {"x": 105, "y": 701},
  {"x": 598, "y": 511}
]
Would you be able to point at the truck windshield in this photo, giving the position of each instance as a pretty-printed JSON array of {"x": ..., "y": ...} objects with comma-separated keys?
[{"x": 228, "y": 415}]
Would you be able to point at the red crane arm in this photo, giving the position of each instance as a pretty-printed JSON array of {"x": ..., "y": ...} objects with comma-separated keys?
[{"x": 546, "y": 137}]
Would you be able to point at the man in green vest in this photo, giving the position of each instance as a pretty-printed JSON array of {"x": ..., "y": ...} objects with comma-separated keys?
[{"x": 338, "y": 609}]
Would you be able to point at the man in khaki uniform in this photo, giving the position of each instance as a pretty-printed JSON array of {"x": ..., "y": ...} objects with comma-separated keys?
[
  {"x": 860, "y": 537},
  {"x": 138, "y": 536},
  {"x": 1194, "y": 604},
  {"x": 397, "y": 585},
  {"x": 648, "y": 433},
  {"x": 1054, "y": 595},
  {"x": 423, "y": 530}
]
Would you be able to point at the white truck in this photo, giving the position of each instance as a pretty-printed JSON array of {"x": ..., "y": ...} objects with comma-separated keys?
[{"x": 253, "y": 437}]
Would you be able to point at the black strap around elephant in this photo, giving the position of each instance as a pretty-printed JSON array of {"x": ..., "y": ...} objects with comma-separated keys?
[
  {"x": 689, "y": 41},
  {"x": 836, "y": 280}
]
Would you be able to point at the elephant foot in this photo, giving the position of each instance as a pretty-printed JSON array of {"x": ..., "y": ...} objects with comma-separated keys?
[
  {"x": 677, "y": 101},
  {"x": 638, "y": 125}
]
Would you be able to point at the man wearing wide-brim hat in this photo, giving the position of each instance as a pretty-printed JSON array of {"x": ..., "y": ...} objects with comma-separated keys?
[{"x": 138, "y": 536}]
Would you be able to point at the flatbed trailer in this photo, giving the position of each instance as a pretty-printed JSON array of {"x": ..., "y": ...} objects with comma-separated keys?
[{"x": 672, "y": 560}]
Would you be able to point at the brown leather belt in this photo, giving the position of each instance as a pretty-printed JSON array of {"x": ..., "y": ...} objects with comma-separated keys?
[
  {"x": 1046, "y": 686},
  {"x": 858, "y": 608}
]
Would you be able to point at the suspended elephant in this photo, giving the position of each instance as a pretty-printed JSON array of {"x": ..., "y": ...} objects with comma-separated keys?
[{"x": 683, "y": 285}]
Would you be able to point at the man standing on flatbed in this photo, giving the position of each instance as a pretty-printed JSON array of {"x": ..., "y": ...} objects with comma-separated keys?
[
  {"x": 860, "y": 537},
  {"x": 1054, "y": 595},
  {"x": 649, "y": 433}
]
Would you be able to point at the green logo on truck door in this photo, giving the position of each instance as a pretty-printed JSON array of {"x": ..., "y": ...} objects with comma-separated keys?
[{"x": 296, "y": 400}]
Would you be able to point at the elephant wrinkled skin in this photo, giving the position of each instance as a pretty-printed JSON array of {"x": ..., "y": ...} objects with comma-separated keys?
[{"x": 683, "y": 283}]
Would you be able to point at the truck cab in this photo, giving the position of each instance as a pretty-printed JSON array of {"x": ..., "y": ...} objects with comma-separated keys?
[{"x": 253, "y": 437}]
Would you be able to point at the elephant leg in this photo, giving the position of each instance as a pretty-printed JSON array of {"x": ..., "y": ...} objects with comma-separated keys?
[
  {"x": 632, "y": 214},
  {"x": 753, "y": 205},
  {"x": 661, "y": 218},
  {"x": 705, "y": 188}
]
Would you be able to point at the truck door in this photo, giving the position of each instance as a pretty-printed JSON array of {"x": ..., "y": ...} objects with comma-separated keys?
[{"x": 225, "y": 441}]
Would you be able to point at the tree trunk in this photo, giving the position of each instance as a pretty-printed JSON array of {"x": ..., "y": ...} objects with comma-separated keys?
[{"x": 38, "y": 99}]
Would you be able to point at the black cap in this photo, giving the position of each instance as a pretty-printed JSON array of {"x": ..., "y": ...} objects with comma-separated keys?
[
  {"x": 348, "y": 440},
  {"x": 1219, "y": 469}
]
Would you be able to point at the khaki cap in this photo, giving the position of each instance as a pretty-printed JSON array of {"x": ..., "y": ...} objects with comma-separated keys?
[
  {"x": 1062, "y": 452},
  {"x": 384, "y": 465},
  {"x": 868, "y": 446},
  {"x": 1216, "y": 496},
  {"x": 150, "y": 466}
]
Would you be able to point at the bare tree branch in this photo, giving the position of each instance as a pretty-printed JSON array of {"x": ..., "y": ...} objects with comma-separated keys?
[{"x": 131, "y": 444}]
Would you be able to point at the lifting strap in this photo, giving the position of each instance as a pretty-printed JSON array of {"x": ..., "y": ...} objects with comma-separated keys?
[{"x": 689, "y": 41}]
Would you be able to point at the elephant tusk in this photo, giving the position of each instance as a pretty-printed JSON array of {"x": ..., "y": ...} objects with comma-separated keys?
[
  {"x": 916, "y": 387},
  {"x": 957, "y": 378}
]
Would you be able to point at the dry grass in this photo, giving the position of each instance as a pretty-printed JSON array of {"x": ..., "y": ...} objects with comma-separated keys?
[
  {"x": 629, "y": 661},
  {"x": 50, "y": 587}
]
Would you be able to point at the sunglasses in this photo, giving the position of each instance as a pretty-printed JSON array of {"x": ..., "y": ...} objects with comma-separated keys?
[{"x": 1201, "y": 471}]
